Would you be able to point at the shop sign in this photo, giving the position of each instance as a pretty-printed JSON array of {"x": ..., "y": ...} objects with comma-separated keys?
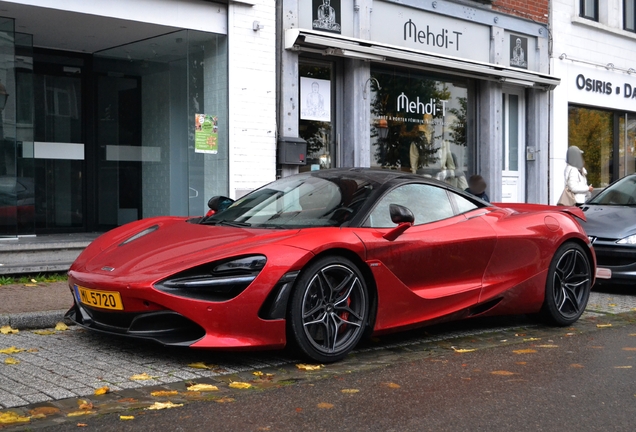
[
  {"x": 417, "y": 29},
  {"x": 603, "y": 88}
]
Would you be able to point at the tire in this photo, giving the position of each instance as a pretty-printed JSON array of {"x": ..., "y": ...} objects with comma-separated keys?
[
  {"x": 568, "y": 285},
  {"x": 329, "y": 309}
]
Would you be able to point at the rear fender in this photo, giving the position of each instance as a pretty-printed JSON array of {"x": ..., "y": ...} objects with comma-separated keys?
[{"x": 574, "y": 211}]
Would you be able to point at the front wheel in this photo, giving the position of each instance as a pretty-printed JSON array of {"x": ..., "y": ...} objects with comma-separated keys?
[
  {"x": 329, "y": 309},
  {"x": 568, "y": 285}
]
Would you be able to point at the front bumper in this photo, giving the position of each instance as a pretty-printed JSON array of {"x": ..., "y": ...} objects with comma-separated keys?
[
  {"x": 619, "y": 259},
  {"x": 165, "y": 327}
]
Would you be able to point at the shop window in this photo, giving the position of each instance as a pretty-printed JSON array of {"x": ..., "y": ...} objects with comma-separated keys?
[
  {"x": 629, "y": 15},
  {"x": 593, "y": 132},
  {"x": 419, "y": 125},
  {"x": 589, "y": 9}
]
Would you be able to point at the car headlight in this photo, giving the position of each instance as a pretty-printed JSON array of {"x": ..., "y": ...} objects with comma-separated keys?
[
  {"x": 631, "y": 240},
  {"x": 216, "y": 281}
]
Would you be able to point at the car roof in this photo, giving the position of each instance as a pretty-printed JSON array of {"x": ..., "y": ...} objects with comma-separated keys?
[{"x": 380, "y": 176}]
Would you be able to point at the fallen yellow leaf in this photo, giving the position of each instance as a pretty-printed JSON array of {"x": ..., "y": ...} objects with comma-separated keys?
[
  {"x": 603, "y": 325},
  {"x": 163, "y": 405},
  {"x": 531, "y": 339},
  {"x": 206, "y": 387},
  {"x": 61, "y": 326},
  {"x": 11, "y": 360},
  {"x": 141, "y": 377},
  {"x": 44, "y": 411},
  {"x": 44, "y": 332},
  {"x": 79, "y": 413},
  {"x": 224, "y": 400},
  {"x": 308, "y": 367},
  {"x": 11, "y": 350},
  {"x": 7, "y": 329},
  {"x": 258, "y": 373},
  {"x": 9, "y": 417},
  {"x": 576, "y": 365},
  {"x": 622, "y": 367},
  {"x": 162, "y": 393},
  {"x": 123, "y": 417},
  {"x": 629, "y": 349},
  {"x": 349, "y": 391},
  {"x": 525, "y": 351},
  {"x": 502, "y": 373},
  {"x": 84, "y": 404},
  {"x": 239, "y": 385},
  {"x": 199, "y": 365},
  {"x": 325, "y": 405},
  {"x": 30, "y": 285},
  {"x": 82, "y": 424},
  {"x": 392, "y": 385},
  {"x": 462, "y": 350},
  {"x": 34, "y": 281},
  {"x": 102, "y": 390}
]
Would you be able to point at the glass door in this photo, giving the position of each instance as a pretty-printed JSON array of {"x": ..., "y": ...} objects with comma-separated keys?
[
  {"x": 316, "y": 125},
  {"x": 513, "y": 146},
  {"x": 58, "y": 144}
]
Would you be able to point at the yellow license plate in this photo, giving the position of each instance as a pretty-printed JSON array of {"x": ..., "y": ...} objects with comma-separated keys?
[{"x": 99, "y": 299}]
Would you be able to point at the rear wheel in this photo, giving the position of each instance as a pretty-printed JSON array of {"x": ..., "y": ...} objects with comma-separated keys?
[
  {"x": 568, "y": 285},
  {"x": 329, "y": 309}
]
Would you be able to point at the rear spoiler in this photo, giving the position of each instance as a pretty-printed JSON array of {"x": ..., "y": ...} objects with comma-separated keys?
[{"x": 577, "y": 212}]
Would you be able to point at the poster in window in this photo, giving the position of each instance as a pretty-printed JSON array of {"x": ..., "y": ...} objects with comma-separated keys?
[
  {"x": 315, "y": 99},
  {"x": 206, "y": 133},
  {"x": 518, "y": 52},
  {"x": 326, "y": 15}
]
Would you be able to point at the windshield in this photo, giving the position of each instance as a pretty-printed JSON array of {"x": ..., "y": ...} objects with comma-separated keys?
[
  {"x": 623, "y": 192},
  {"x": 300, "y": 201}
]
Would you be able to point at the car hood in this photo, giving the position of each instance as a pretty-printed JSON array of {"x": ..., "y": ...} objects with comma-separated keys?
[
  {"x": 614, "y": 222},
  {"x": 171, "y": 245}
]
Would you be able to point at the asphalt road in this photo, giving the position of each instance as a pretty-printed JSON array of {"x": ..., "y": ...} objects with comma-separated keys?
[{"x": 584, "y": 382}]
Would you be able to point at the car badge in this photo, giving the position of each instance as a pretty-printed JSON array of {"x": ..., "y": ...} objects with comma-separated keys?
[{"x": 108, "y": 269}]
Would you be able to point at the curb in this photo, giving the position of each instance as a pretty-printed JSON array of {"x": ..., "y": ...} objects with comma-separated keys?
[{"x": 33, "y": 320}]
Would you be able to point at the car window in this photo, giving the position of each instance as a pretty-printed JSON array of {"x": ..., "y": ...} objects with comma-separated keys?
[
  {"x": 623, "y": 192},
  {"x": 427, "y": 202},
  {"x": 463, "y": 204}
]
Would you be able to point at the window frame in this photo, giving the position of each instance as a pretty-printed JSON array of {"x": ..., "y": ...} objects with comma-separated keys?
[
  {"x": 585, "y": 13},
  {"x": 633, "y": 15}
]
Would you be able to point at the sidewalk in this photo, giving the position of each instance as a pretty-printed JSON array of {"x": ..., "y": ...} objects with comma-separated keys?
[{"x": 33, "y": 307}]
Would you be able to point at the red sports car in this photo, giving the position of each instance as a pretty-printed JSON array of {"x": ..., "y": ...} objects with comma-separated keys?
[{"x": 324, "y": 258}]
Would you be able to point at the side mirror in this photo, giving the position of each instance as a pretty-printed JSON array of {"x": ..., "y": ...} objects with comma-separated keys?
[
  {"x": 219, "y": 203},
  {"x": 400, "y": 214}
]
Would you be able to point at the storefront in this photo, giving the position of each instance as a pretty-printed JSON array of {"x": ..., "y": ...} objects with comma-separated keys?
[
  {"x": 113, "y": 113},
  {"x": 439, "y": 89},
  {"x": 595, "y": 106}
]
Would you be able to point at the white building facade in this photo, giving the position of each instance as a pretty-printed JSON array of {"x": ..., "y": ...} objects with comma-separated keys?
[{"x": 594, "y": 108}]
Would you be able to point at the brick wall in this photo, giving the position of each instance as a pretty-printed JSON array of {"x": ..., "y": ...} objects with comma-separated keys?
[{"x": 535, "y": 10}]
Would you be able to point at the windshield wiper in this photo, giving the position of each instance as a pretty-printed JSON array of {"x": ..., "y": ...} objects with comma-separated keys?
[{"x": 234, "y": 223}]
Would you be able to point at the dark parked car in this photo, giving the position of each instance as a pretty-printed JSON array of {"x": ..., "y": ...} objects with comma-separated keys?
[{"x": 611, "y": 226}]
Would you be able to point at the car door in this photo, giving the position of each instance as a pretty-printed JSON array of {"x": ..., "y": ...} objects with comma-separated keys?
[{"x": 436, "y": 266}]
